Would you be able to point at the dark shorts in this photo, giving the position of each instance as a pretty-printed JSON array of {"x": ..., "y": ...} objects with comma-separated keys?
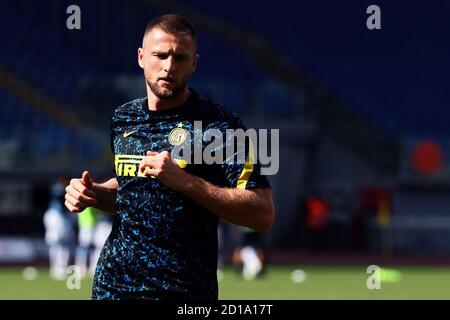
[{"x": 253, "y": 239}]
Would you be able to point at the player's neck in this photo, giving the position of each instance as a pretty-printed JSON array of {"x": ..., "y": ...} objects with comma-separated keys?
[{"x": 158, "y": 104}]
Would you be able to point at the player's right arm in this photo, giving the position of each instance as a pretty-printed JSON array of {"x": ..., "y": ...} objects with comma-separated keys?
[{"x": 83, "y": 193}]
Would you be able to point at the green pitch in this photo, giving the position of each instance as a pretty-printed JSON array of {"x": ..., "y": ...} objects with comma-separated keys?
[{"x": 277, "y": 283}]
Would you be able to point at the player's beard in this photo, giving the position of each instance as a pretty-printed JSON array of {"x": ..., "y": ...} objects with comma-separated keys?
[{"x": 165, "y": 93}]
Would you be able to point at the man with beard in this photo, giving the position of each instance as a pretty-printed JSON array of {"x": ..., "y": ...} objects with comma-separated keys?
[{"x": 163, "y": 244}]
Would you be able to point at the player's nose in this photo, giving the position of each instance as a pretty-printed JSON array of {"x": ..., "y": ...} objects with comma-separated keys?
[{"x": 169, "y": 65}]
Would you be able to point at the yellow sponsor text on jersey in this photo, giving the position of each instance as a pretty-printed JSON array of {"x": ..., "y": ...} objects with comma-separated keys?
[{"x": 128, "y": 165}]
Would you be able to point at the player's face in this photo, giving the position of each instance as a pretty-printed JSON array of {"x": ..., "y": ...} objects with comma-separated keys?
[{"x": 168, "y": 62}]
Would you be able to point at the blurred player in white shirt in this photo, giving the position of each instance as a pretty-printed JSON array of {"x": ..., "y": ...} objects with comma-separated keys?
[
  {"x": 93, "y": 230},
  {"x": 58, "y": 232}
]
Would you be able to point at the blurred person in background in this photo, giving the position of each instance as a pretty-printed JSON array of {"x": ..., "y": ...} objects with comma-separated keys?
[
  {"x": 250, "y": 255},
  {"x": 59, "y": 233},
  {"x": 93, "y": 230}
]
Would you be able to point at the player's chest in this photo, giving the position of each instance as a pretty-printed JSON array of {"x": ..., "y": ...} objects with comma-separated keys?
[
  {"x": 161, "y": 136},
  {"x": 132, "y": 143}
]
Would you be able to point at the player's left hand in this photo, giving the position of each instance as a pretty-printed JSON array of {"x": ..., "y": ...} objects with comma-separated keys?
[{"x": 162, "y": 167}]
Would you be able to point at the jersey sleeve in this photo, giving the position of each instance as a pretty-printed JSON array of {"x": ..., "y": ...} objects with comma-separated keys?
[{"x": 238, "y": 174}]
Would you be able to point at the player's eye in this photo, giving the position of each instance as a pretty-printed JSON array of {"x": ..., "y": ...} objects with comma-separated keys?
[
  {"x": 161, "y": 55},
  {"x": 181, "y": 57}
]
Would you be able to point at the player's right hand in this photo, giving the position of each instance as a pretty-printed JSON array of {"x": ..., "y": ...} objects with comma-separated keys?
[{"x": 80, "y": 194}]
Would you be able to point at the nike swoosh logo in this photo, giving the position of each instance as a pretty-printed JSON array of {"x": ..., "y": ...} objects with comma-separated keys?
[{"x": 126, "y": 134}]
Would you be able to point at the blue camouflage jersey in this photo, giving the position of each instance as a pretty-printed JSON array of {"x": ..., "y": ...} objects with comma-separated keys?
[{"x": 163, "y": 244}]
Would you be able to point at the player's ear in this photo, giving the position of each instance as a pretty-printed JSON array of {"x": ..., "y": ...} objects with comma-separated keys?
[
  {"x": 141, "y": 57},
  {"x": 194, "y": 65}
]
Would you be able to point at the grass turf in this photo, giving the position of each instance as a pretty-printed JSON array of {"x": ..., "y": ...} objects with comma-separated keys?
[{"x": 319, "y": 283}]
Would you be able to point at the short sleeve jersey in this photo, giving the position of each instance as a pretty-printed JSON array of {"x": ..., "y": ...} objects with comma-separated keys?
[{"x": 163, "y": 244}]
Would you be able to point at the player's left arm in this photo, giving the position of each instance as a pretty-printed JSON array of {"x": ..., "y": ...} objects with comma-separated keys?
[{"x": 251, "y": 208}]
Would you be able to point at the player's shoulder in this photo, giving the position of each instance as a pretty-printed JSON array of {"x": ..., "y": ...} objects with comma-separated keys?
[
  {"x": 218, "y": 114},
  {"x": 130, "y": 108}
]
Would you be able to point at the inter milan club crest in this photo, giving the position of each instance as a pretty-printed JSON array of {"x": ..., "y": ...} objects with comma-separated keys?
[{"x": 177, "y": 135}]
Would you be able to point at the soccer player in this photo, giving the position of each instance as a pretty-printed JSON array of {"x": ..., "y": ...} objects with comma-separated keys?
[
  {"x": 163, "y": 244},
  {"x": 86, "y": 227},
  {"x": 250, "y": 253},
  {"x": 59, "y": 234},
  {"x": 93, "y": 230}
]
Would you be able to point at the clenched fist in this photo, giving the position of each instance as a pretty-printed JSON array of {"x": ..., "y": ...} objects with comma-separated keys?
[
  {"x": 162, "y": 167},
  {"x": 80, "y": 194}
]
